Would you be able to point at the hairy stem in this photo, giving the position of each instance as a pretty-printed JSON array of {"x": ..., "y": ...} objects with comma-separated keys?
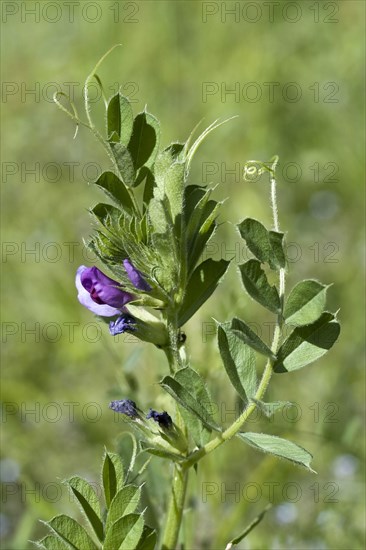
[
  {"x": 172, "y": 350},
  {"x": 176, "y": 506},
  {"x": 276, "y": 223}
]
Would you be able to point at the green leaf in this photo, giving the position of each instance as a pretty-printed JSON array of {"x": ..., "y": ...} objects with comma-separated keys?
[
  {"x": 169, "y": 177},
  {"x": 163, "y": 162},
  {"x": 192, "y": 196},
  {"x": 174, "y": 188},
  {"x": 268, "y": 409},
  {"x": 199, "y": 214},
  {"x": 195, "y": 200},
  {"x": 276, "y": 240},
  {"x": 249, "y": 527},
  {"x": 201, "y": 285},
  {"x": 256, "y": 284},
  {"x": 116, "y": 190},
  {"x": 132, "y": 539},
  {"x": 166, "y": 272},
  {"x": 124, "y": 502},
  {"x": 191, "y": 380},
  {"x": 243, "y": 331},
  {"x": 125, "y": 533},
  {"x": 143, "y": 141},
  {"x": 266, "y": 245},
  {"x": 148, "y": 190},
  {"x": 176, "y": 150},
  {"x": 308, "y": 343},
  {"x": 51, "y": 542},
  {"x": 124, "y": 163},
  {"x": 148, "y": 539},
  {"x": 119, "y": 119},
  {"x": 145, "y": 174},
  {"x": 277, "y": 446},
  {"x": 154, "y": 123},
  {"x": 160, "y": 452},
  {"x": 185, "y": 398},
  {"x": 158, "y": 216},
  {"x": 72, "y": 533},
  {"x": 112, "y": 476},
  {"x": 239, "y": 361},
  {"x": 203, "y": 234},
  {"x": 141, "y": 175},
  {"x": 104, "y": 212},
  {"x": 88, "y": 501},
  {"x": 306, "y": 303}
]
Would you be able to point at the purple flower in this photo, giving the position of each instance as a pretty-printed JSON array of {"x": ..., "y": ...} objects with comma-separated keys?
[
  {"x": 163, "y": 419},
  {"x": 124, "y": 323},
  {"x": 125, "y": 406},
  {"x": 135, "y": 276},
  {"x": 103, "y": 295}
]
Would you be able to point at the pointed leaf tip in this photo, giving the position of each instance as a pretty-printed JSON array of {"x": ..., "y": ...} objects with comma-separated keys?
[
  {"x": 279, "y": 447},
  {"x": 256, "y": 284},
  {"x": 305, "y": 303},
  {"x": 306, "y": 344},
  {"x": 239, "y": 361}
]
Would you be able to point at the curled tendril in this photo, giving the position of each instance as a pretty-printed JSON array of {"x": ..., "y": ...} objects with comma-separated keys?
[
  {"x": 87, "y": 99},
  {"x": 92, "y": 75},
  {"x": 72, "y": 114},
  {"x": 255, "y": 168}
]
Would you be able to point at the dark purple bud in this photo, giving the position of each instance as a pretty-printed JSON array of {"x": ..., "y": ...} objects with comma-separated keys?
[
  {"x": 100, "y": 294},
  {"x": 136, "y": 276},
  {"x": 163, "y": 419},
  {"x": 124, "y": 323},
  {"x": 125, "y": 406}
]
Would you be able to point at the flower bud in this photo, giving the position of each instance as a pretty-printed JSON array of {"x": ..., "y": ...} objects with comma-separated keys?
[{"x": 125, "y": 406}]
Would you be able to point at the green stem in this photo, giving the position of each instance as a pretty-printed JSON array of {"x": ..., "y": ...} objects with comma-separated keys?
[
  {"x": 276, "y": 224},
  {"x": 172, "y": 350},
  {"x": 232, "y": 430},
  {"x": 180, "y": 474},
  {"x": 176, "y": 506}
]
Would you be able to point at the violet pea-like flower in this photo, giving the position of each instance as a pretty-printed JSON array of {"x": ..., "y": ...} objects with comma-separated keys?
[
  {"x": 103, "y": 295},
  {"x": 135, "y": 276}
]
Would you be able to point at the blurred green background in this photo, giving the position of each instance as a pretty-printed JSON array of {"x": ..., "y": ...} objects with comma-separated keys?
[{"x": 295, "y": 70}]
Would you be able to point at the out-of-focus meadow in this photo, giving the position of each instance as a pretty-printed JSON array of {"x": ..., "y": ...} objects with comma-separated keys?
[{"x": 292, "y": 72}]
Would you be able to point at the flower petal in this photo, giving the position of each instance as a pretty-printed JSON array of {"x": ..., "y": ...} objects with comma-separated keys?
[
  {"x": 103, "y": 289},
  {"x": 124, "y": 323},
  {"x": 86, "y": 300},
  {"x": 135, "y": 276}
]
